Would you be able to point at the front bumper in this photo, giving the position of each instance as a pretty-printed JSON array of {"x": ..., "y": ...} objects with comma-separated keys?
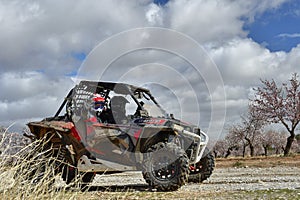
[{"x": 199, "y": 142}]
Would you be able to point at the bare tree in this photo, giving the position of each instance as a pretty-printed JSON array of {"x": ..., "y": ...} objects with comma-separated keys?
[
  {"x": 272, "y": 142},
  {"x": 267, "y": 141},
  {"x": 2, "y": 129},
  {"x": 239, "y": 133},
  {"x": 233, "y": 143},
  {"x": 280, "y": 104},
  {"x": 252, "y": 124},
  {"x": 220, "y": 148},
  {"x": 249, "y": 130}
]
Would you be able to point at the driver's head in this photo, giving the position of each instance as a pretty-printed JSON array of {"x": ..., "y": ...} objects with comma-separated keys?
[
  {"x": 99, "y": 102},
  {"x": 118, "y": 103}
]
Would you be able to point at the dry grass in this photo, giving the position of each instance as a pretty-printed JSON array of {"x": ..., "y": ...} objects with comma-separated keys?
[
  {"x": 259, "y": 161},
  {"x": 30, "y": 174}
]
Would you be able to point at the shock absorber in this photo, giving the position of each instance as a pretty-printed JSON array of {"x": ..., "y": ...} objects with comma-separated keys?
[
  {"x": 60, "y": 158},
  {"x": 62, "y": 153}
]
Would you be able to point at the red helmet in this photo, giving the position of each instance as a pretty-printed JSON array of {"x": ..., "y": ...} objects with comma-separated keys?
[{"x": 99, "y": 101}]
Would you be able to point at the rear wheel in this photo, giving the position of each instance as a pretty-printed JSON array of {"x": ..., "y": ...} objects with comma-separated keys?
[
  {"x": 72, "y": 176},
  {"x": 165, "y": 167},
  {"x": 202, "y": 170}
]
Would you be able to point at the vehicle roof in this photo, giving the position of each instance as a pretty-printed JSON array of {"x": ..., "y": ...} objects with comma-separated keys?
[{"x": 121, "y": 88}]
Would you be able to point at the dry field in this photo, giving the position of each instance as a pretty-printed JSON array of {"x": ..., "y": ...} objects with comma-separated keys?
[
  {"x": 233, "y": 178},
  {"x": 259, "y": 161}
]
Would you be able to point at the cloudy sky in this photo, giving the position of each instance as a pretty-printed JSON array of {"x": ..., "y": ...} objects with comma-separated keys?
[{"x": 46, "y": 44}]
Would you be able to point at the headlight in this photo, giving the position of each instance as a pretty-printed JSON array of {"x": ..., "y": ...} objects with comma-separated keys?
[{"x": 203, "y": 137}]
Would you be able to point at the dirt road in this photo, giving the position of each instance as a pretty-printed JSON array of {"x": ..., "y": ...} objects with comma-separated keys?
[
  {"x": 226, "y": 183},
  {"x": 236, "y": 178},
  {"x": 222, "y": 180}
]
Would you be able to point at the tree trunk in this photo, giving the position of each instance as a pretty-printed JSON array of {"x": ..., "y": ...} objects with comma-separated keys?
[
  {"x": 228, "y": 152},
  {"x": 251, "y": 150},
  {"x": 266, "y": 150},
  {"x": 289, "y": 143},
  {"x": 250, "y": 146},
  {"x": 244, "y": 150},
  {"x": 216, "y": 154}
]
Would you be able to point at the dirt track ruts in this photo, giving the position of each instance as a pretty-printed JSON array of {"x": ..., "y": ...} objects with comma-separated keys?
[{"x": 222, "y": 179}]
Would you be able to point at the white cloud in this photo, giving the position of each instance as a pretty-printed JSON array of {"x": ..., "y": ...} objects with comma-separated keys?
[
  {"x": 40, "y": 38},
  {"x": 154, "y": 15},
  {"x": 244, "y": 58},
  {"x": 289, "y": 35},
  {"x": 206, "y": 20},
  {"x": 45, "y": 33},
  {"x": 31, "y": 94},
  {"x": 216, "y": 20}
]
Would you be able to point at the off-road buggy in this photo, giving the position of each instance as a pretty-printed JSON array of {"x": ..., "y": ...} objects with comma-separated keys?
[{"x": 116, "y": 127}]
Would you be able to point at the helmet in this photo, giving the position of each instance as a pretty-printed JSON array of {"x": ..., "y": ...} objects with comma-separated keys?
[
  {"x": 99, "y": 102},
  {"x": 118, "y": 110},
  {"x": 118, "y": 100}
]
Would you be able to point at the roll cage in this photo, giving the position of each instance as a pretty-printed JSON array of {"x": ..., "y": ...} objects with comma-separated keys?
[{"x": 82, "y": 92}]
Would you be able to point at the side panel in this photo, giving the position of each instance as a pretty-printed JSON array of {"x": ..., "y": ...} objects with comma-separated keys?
[{"x": 151, "y": 135}]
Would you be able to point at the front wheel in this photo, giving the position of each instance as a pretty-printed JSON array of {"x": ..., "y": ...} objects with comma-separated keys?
[{"x": 165, "y": 167}]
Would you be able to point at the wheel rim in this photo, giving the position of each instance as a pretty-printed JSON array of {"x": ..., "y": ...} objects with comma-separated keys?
[
  {"x": 196, "y": 169},
  {"x": 163, "y": 168}
]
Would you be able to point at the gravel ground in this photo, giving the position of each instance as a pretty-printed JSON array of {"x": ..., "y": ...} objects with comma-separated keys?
[
  {"x": 279, "y": 182},
  {"x": 228, "y": 181},
  {"x": 221, "y": 180},
  {"x": 251, "y": 179}
]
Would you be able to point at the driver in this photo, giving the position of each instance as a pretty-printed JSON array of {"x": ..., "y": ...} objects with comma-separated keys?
[
  {"x": 98, "y": 105},
  {"x": 117, "y": 112}
]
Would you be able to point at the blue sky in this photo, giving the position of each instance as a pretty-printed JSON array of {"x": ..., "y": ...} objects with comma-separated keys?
[
  {"x": 160, "y": 2},
  {"x": 278, "y": 28}
]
